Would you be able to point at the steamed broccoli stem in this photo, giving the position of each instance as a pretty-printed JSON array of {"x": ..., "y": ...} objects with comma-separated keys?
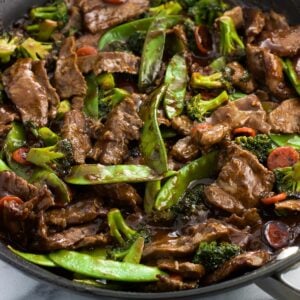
[
  {"x": 169, "y": 8},
  {"x": 34, "y": 49},
  {"x": 7, "y": 48},
  {"x": 288, "y": 179},
  {"x": 198, "y": 109},
  {"x": 291, "y": 74},
  {"x": 213, "y": 81},
  {"x": 212, "y": 255},
  {"x": 57, "y": 12},
  {"x": 230, "y": 42},
  {"x": 43, "y": 31}
]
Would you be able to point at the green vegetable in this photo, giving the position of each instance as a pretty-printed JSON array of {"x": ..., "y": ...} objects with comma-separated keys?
[
  {"x": 213, "y": 81},
  {"x": 34, "y": 49},
  {"x": 176, "y": 80},
  {"x": 38, "y": 259},
  {"x": 212, "y": 255},
  {"x": 151, "y": 191},
  {"x": 49, "y": 137},
  {"x": 292, "y": 140},
  {"x": 7, "y": 48},
  {"x": 152, "y": 144},
  {"x": 91, "y": 105},
  {"x": 236, "y": 95},
  {"x": 169, "y": 8},
  {"x": 260, "y": 145},
  {"x": 174, "y": 188},
  {"x": 218, "y": 64},
  {"x": 291, "y": 73},
  {"x": 198, "y": 109},
  {"x": 153, "y": 49},
  {"x": 4, "y": 166},
  {"x": 63, "y": 107},
  {"x": 189, "y": 29},
  {"x": 89, "y": 174},
  {"x": 105, "y": 269},
  {"x": 106, "y": 81},
  {"x": 230, "y": 42},
  {"x": 42, "y": 31},
  {"x": 288, "y": 179}
]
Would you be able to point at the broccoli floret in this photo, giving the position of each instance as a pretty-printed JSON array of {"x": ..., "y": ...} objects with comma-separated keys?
[
  {"x": 212, "y": 255},
  {"x": 35, "y": 50},
  {"x": 189, "y": 28},
  {"x": 214, "y": 81},
  {"x": 230, "y": 42},
  {"x": 169, "y": 8},
  {"x": 7, "y": 48},
  {"x": 198, "y": 109},
  {"x": 288, "y": 179},
  {"x": 291, "y": 74},
  {"x": 57, "y": 11},
  {"x": 42, "y": 31},
  {"x": 260, "y": 145}
]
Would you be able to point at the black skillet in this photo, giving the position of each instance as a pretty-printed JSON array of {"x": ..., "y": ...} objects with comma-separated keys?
[{"x": 272, "y": 277}]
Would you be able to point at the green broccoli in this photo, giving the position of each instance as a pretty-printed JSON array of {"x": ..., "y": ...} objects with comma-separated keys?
[
  {"x": 63, "y": 107},
  {"x": 214, "y": 81},
  {"x": 7, "y": 48},
  {"x": 189, "y": 28},
  {"x": 168, "y": 8},
  {"x": 56, "y": 11},
  {"x": 212, "y": 254},
  {"x": 106, "y": 81},
  {"x": 260, "y": 145},
  {"x": 34, "y": 49},
  {"x": 198, "y": 109},
  {"x": 291, "y": 73},
  {"x": 42, "y": 31},
  {"x": 230, "y": 42},
  {"x": 288, "y": 179}
]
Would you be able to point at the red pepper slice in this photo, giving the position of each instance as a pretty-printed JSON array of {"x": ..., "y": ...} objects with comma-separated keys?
[
  {"x": 274, "y": 199},
  {"x": 86, "y": 50},
  {"x": 20, "y": 155}
]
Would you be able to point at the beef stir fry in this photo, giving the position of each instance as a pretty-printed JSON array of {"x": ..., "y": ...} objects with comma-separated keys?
[{"x": 149, "y": 142}]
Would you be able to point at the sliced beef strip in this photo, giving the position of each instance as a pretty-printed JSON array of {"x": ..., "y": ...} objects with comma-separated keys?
[
  {"x": 100, "y": 17},
  {"x": 123, "y": 125},
  {"x": 289, "y": 205},
  {"x": 185, "y": 150},
  {"x": 97, "y": 240},
  {"x": 241, "y": 183},
  {"x": 255, "y": 62},
  {"x": 275, "y": 21},
  {"x": 182, "y": 124},
  {"x": 250, "y": 217},
  {"x": 69, "y": 82},
  {"x": 241, "y": 262},
  {"x": 27, "y": 92},
  {"x": 7, "y": 116},
  {"x": 87, "y": 63},
  {"x": 74, "y": 129},
  {"x": 255, "y": 21},
  {"x": 237, "y": 15},
  {"x": 286, "y": 117}
]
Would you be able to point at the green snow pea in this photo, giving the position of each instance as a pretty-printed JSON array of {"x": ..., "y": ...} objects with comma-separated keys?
[
  {"x": 176, "y": 79},
  {"x": 49, "y": 137},
  {"x": 4, "y": 166},
  {"x": 91, "y": 105},
  {"x": 280, "y": 140},
  {"x": 152, "y": 144},
  {"x": 90, "y": 174},
  {"x": 99, "y": 284},
  {"x": 151, "y": 191},
  {"x": 105, "y": 269},
  {"x": 135, "y": 252},
  {"x": 175, "y": 187}
]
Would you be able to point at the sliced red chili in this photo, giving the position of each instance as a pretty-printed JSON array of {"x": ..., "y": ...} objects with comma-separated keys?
[
  {"x": 10, "y": 198},
  {"x": 274, "y": 199},
  {"x": 86, "y": 50},
  {"x": 277, "y": 234},
  {"x": 246, "y": 131},
  {"x": 20, "y": 155},
  {"x": 282, "y": 157}
]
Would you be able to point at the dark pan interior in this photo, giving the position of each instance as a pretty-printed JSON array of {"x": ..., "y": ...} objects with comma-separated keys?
[{"x": 11, "y": 11}]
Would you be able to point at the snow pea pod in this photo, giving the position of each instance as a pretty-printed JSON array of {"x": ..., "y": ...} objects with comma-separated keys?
[
  {"x": 91, "y": 105},
  {"x": 4, "y": 166},
  {"x": 174, "y": 188},
  {"x": 152, "y": 144},
  {"x": 91, "y": 174},
  {"x": 281, "y": 140},
  {"x": 105, "y": 269},
  {"x": 153, "y": 49},
  {"x": 151, "y": 191},
  {"x": 176, "y": 79}
]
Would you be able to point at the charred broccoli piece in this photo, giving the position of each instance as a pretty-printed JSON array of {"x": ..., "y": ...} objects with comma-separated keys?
[
  {"x": 7, "y": 48},
  {"x": 291, "y": 73},
  {"x": 198, "y": 109},
  {"x": 42, "y": 31},
  {"x": 212, "y": 254},
  {"x": 168, "y": 8},
  {"x": 288, "y": 179},
  {"x": 230, "y": 42},
  {"x": 34, "y": 49},
  {"x": 260, "y": 145}
]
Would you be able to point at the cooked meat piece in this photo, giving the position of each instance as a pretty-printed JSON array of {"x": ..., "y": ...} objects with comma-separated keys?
[
  {"x": 39, "y": 70},
  {"x": 102, "y": 16},
  {"x": 69, "y": 81},
  {"x": 74, "y": 21},
  {"x": 94, "y": 127},
  {"x": 88, "y": 5},
  {"x": 77, "y": 213},
  {"x": 117, "y": 62},
  {"x": 255, "y": 62},
  {"x": 162, "y": 119},
  {"x": 255, "y": 22},
  {"x": 87, "y": 63},
  {"x": 119, "y": 194},
  {"x": 283, "y": 42},
  {"x": 27, "y": 91},
  {"x": 237, "y": 15},
  {"x": 246, "y": 111},
  {"x": 241, "y": 182},
  {"x": 7, "y": 116},
  {"x": 123, "y": 125},
  {"x": 275, "y": 21},
  {"x": 171, "y": 283},
  {"x": 74, "y": 129},
  {"x": 174, "y": 165},
  {"x": 296, "y": 63},
  {"x": 185, "y": 150},
  {"x": 97, "y": 240},
  {"x": 241, "y": 78},
  {"x": 289, "y": 205},
  {"x": 242, "y": 262},
  {"x": 88, "y": 40},
  {"x": 250, "y": 217},
  {"x": 182, "y": 124},
  {"x": 286, "y": 117},
  {"x": 185, "y": 269}
]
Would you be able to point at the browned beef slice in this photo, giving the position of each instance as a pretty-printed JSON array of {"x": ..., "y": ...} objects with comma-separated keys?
[
  {"x": 289, "y": 205},
  {"x": 123, "y": 125},
  {"x": 283, "y": 42},
  {"x": 254, "y": 22},
  {"x": 74, "y": 129},
  {"x": 26, "y": 91},
  {"x": 69, "y": 81},
  {"x": 88, "y": 40},
  {"x": 87, "y": 63},
  {"x": 250, "y": 217},
  {"x": 117, "y": 62},
  {"x": 255, "y": 62},
  {"x": 242, "y": 262},
  {"x": 7, "y": 116},
  {"x": 275, "y": 21},
  {"x": 38, "y": 68},
  {"x": 183, "y": 124},
  {"x": 237, "y": 15},
  {"x": 241, "y": 78},
  {"x": 171, "y": 283},
  {"x": 102, "y": 16},
  {"x": 185, "y": 150},
  {"x": 241, "y": 183},
  {"x": 286, "y": 117}
]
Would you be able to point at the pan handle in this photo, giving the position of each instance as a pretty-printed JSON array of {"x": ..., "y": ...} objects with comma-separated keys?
[{"x": 284, "y": 284}]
